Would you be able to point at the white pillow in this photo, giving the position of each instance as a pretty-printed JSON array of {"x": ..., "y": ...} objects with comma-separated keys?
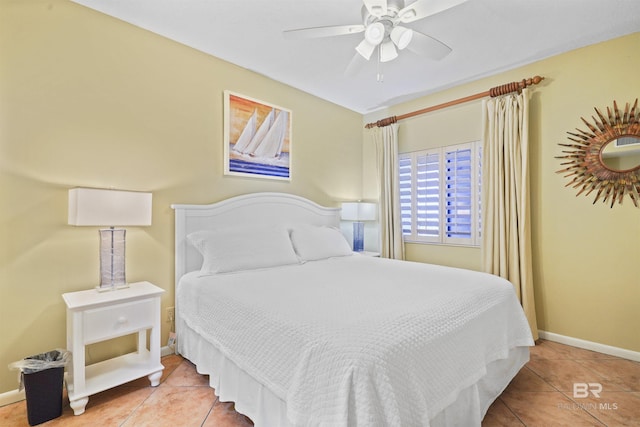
[
  {"x": 246, "y": 248},
  {"x": 314, "y": 243}
]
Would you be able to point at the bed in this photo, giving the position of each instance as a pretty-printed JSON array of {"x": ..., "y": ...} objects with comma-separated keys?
[{"x": 299, "y": 331}]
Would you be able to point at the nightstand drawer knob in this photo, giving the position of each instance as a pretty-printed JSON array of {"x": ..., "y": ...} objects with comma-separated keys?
[{"x": 122, "y": 320}]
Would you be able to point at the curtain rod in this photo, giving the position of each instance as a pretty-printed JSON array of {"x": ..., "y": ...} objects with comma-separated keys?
[{"x": 493, "y": 92}]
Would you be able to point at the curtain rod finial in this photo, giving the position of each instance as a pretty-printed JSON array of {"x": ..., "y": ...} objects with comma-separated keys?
[{"x": 383, "y": 122}]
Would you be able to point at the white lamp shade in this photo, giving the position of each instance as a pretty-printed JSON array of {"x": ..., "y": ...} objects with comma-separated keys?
[
  {"x": 97, "y": 207},
  {"x": 358, "y": 211}
]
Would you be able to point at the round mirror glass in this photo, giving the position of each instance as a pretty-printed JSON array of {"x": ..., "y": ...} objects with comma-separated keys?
[{"x": 621, "y": 154}]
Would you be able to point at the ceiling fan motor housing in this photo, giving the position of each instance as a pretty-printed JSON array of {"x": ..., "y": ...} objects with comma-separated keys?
[{"x": 380, "y": 28}]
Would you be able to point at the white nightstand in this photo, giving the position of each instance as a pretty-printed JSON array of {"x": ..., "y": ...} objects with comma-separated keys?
[{"x": 99, "y": 316}]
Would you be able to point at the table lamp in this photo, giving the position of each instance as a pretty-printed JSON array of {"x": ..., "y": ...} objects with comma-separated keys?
[
  {"x": 358, "y": 212},
  {"x": 98, "y": 207}
]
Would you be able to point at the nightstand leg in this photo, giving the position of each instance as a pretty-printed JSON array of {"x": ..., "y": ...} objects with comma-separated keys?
[
  {"x": 155, "y": 378},
  {"x": 79, "y": 405}
]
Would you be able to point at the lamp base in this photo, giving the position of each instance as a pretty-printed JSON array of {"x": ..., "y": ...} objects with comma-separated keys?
[
  {"x": 358, "y": 236},
  {"x": 110, "y": 288},
  {"x": 112, "y": 250}
]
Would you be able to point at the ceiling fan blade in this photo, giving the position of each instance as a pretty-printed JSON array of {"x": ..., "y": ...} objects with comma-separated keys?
[
  {"x": 423, "y": 8},
  {"x": 376, "y": 7},
  {"x": 317, "y": 32},
  {"x": 355, "y": 65},
  {"x": 427, "y": 46}
]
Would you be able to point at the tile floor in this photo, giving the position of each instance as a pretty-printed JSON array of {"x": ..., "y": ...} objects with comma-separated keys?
[
  {"x": 542, "y": 392},
  {"x": 540, "y": 395}
]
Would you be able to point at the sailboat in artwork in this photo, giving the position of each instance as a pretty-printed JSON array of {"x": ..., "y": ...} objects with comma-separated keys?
[
  {"x": 247, "y": 134},
  {"x": 260, "y": 133},
  {"x": 271, "y": 144},
  {"x": 267, "y": 140}
]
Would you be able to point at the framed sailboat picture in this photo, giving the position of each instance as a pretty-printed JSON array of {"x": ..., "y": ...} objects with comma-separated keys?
[{"x": 257, "y": 138}]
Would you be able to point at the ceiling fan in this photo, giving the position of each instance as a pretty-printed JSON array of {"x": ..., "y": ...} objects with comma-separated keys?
[{"x": 383, "y": 29}]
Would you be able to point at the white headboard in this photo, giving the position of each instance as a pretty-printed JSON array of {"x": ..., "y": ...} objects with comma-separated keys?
[{"x": 264, "y": 209}]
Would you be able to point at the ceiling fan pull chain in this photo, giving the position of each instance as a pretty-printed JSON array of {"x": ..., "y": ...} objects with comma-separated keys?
[{"x": 380, "y": 76}]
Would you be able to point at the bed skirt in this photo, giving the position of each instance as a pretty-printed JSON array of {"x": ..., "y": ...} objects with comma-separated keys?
[{"x": 264, "y": 408}]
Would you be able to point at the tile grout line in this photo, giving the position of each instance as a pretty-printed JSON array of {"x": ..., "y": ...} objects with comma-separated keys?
[
  {"x": 217, "y": 400},
  {"x": 124, "y": 422},
  {"x": 511, "y": 410},
  {"x": 543, "y": 380},
  {"x": 153, "y": 390}
]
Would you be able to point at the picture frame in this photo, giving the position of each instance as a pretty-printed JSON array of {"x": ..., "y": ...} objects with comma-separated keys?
[{"x": 257, "y": 138}]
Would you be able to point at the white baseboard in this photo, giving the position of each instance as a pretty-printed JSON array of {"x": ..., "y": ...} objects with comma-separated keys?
[
  {"x": 166, "y": 351},
  {"x": 14, "y": 396},
  {"x": 11, "y": 396},
  {"x": 590, "y": 345}
]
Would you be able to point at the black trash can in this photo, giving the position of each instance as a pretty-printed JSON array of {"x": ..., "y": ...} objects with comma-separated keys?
[
  {"x": 44, "y": 395},
  {"x": 43, "y": 379}
]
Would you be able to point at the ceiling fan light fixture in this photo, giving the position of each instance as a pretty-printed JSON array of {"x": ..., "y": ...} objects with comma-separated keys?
[
  {"x": 401, "y": 36},
  {"x": 388, "y": 51},
  {"x": 374, "y": 34},
  {"x": 365, "y": 49}
]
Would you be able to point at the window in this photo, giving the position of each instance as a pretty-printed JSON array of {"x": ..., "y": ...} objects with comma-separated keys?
[{"x": 440, "y": 194}]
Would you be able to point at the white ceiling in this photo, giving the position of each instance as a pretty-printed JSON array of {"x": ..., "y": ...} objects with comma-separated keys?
[{"x": 487, "y": 37}]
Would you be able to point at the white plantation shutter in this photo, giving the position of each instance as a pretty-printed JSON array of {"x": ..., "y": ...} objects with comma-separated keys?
[
  {"x": 439, "y": 195},
  {"x": 428, "y": 195},
  {"x": 458, "y": 194},
  {"x": 406, "y": 194}
]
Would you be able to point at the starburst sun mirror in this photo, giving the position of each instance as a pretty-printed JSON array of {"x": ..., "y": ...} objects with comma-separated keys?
[{"x": 606, "y": 157}]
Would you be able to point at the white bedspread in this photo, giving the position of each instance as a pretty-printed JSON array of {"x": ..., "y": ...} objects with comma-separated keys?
[{"x": 358, "y": 340}]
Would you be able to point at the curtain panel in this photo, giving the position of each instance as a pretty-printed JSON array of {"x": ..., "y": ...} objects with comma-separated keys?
[
  {"x": 386, "y": 141},
  {"x": 506, "y": 217}
]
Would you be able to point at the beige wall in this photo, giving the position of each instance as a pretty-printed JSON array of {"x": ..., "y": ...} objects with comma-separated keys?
[
  {"x": 586, "y": 257},
  {"x": 87, "y": 100}
]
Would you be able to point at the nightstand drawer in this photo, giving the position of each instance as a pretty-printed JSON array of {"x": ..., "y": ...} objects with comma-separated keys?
[{"x": 117, "y": 320}]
